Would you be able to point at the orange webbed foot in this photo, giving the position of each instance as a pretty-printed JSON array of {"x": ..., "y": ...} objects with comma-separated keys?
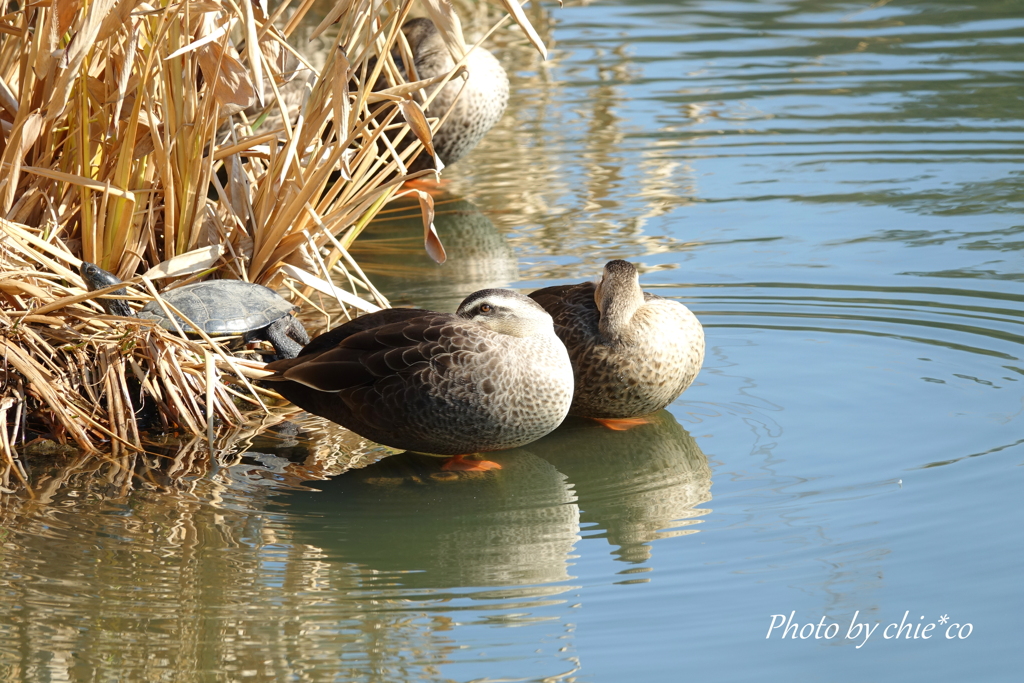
[
  {"x": 459, "y": 462},
  {"x": 621, "y": 424}
]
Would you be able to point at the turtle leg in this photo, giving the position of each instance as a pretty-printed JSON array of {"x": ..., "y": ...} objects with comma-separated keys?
[
  {"x": 287, "y": 335},
  {"x": 296, "y": 330}
]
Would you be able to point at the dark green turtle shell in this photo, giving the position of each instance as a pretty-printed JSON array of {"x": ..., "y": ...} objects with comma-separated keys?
[{"x": 221, "y": 307}]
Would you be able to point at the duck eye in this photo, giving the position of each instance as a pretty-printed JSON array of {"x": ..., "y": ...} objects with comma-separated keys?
[{"x": 486, "y": 308}]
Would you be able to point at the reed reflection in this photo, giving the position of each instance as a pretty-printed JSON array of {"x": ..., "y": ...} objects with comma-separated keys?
[
  {"x": 634, "y": 486},
  {"x": 391, "y": 253},
  {"x": 425, "y": 528},
  {"x": 158, "y": 586}
]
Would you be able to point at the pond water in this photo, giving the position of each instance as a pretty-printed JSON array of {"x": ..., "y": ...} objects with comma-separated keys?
[{"x": 836, "y": 189}]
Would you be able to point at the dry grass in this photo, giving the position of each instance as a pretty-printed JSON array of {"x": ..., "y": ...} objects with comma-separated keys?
[{"x": 141, "y": 137}]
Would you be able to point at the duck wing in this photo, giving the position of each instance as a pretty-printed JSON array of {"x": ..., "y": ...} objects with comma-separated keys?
[
  {"x": 574, "y": 311},
  {"x": 369, "y": 321},
  {"x": 402, "y": 383},
  {"x": 363, "y": 352}
]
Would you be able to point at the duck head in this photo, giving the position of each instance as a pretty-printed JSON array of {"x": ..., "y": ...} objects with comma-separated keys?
[
  {"x": 506, "y": 312},
  {"x": 618, "y": 297},
  {"x": 427, "y": 45}
]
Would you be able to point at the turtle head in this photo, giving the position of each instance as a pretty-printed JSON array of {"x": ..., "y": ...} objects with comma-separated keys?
[
  {"x": 506, "y": 312},
  {"x": 97, "y": 278}
]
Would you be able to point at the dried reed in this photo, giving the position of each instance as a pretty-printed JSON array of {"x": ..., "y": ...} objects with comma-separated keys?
[{"x": 138, "y": 135}]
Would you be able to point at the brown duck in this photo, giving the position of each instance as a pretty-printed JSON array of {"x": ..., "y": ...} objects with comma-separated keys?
[
  {"x": 632, "y": 352},
  {"x": 491, "y": 376},
  {"x": 479, "y": 107}
]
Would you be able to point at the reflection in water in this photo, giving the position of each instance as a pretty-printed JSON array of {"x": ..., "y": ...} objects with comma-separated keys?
[
  {"x": 391, "y": 252},
  {"x": 140, "y": 589},
  {"x": 633, "y": 486},
  {"x": 422, "y": 527},
  {"x": 206, "y": 584},
  {"x": 361, "y": 578},
  {"x": 310, "y": 448},
  {"x": 199, "y": 578},
  {"x": 425, "y": 528},
  {"x": 165, "y": 566}
]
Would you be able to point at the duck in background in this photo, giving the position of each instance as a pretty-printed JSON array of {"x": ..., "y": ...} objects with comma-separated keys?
[
  {"x": 485, "y": 93},
  {"x": 632, "y": 352},
  {"x": 490, "y": 377},
  {"x": 481, "y": 105}
]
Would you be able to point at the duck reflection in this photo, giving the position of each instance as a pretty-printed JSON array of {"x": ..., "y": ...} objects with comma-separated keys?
[
  {"x": 633, "y": 486},
  {"x": 421, "y": 527},
  {"x": 391, "y": 252}
]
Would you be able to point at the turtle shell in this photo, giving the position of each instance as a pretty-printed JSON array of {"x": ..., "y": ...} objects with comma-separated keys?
[{"x": 221, "y": 307}]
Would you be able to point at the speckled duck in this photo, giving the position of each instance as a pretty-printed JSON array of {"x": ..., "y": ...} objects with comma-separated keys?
[
  {"x": 633, "y": 353},
  {"x": 476, "y": 111},
  {"x": 491, "y": 376}
]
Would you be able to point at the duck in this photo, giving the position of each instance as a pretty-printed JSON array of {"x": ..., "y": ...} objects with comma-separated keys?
[
  {"x": 477, "y": 110},
  {"x": 632, "y": 352},
  {"x": 491, "y": 376},
  {"x": 485, "y": 93}
]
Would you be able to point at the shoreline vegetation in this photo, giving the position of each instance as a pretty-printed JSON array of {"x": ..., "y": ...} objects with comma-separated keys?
[{"x": 146, "y": 138}]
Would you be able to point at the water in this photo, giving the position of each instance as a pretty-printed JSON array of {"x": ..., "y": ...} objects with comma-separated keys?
[{"x": 836, "y": 190}]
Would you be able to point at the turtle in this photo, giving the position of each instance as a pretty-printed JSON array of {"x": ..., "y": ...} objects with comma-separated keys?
[{"x": 217, "y": 307}]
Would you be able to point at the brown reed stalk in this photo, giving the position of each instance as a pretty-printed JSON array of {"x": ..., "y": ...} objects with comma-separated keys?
[{"x": 144, "y": 136}]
